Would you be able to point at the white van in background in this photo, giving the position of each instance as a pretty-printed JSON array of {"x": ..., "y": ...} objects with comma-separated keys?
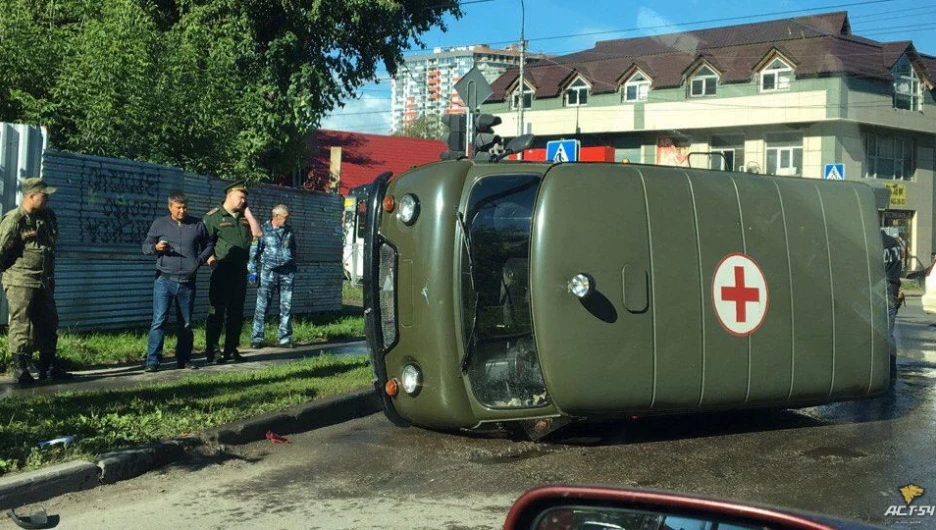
[{"x": 353, "y": 226}]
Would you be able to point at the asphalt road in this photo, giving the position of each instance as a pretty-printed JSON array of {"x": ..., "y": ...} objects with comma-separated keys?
[{"x": 846, "y": 460}]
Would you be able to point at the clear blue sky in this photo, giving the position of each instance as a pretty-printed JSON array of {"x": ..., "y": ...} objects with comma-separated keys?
[{"x": 559, "y": 27}]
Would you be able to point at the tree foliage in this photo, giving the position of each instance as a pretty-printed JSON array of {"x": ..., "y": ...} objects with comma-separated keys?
[
  {"x": 424, "y": 126},
  {"x": 227, "y": 87}
]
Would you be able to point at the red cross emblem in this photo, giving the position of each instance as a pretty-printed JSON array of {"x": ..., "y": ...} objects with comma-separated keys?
[{"x": 739, "y": 294}]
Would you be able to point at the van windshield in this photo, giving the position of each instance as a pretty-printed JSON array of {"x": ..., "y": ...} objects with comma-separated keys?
[{"x": 498, "y": 327}]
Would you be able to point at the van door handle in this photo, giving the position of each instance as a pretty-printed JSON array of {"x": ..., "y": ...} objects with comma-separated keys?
[{"x": 636, "y": 282}]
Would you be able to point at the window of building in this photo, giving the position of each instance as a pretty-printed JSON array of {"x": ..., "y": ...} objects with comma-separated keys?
[
  {"x": 727, "y": 153},
  {"x": 778, "y": 75},
  {"x": 785, "y": 156},
  {"x": 527, "y": 96},
  {"x": 888, "y": 157},
  {"x": 577, "y": 93},
  {"x": 636, "y": 88},
  {"x": 908, "y": 92},
  {"x": 703, "y": 82}
]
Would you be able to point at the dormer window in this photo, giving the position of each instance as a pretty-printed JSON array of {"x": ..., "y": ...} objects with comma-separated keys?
[
  {"x": 703, "y": 82},
  {"x": 636, "y": 88},
  {"x": 577, "y": 93},
  {"x": 526, "y": 97},
  {"x": 907, "y": 89},
  {"x": 778, "y": 75}
]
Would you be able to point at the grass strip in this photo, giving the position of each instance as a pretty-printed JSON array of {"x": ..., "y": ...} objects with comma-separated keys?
[
  {"x": 352, "y": 293},
  {"x": 82, "y": 351},
  {"x": 104, "y": 421}
]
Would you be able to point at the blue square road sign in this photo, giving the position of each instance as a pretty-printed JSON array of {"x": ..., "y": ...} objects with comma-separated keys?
[
  {"x": 834, "y": 172},
  {"x": 562, "y": 151}
]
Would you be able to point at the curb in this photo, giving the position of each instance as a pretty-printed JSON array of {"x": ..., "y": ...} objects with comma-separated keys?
[
  {"x": 299, "y": 418},
  {"x": 129, "y": 463},
  {"x": 43, "y": 484}
]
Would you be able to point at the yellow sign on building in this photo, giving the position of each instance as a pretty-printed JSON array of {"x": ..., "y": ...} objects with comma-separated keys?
[{"x": 898, "y": 195}]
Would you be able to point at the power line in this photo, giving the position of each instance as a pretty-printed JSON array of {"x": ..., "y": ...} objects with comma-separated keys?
[
  {"x": 889, "y": 13},
  {"x": 679, "y": 24}
]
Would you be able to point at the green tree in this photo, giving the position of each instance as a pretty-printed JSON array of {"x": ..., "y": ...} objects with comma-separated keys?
[
  {"x": 425, "y": 126},
  {"x": 226, "y": 87}
]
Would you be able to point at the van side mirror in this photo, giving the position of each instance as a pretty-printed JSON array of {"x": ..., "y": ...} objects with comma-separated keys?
[
  {"x": 518, "y": 144},
  {"x": 599, "y": 508}
]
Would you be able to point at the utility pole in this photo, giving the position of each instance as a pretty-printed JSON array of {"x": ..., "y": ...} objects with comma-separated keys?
[
  {"x": 522, "y": 83},
  {"x": 522, "y": 60}
]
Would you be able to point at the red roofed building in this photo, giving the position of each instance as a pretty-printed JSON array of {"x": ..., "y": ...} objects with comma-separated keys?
[{"x": 352, "y": 159}]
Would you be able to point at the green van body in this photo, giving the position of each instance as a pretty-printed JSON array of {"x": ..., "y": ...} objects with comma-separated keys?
[{"x": 647, "y": 339}]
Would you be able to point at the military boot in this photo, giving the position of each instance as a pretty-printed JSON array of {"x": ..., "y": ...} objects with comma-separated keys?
[
  {"x": 21, "y": 368},
  {"x": 49, "y": 370}
]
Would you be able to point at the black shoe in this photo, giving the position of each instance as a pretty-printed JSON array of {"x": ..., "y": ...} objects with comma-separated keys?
[
  {"x": 210, "y": 355},
  {"x": 188, "y": 366},
  {"x": 57, "y": 374},
  {"x": 151, "y": 368},
  {"x": 287, "y": 344},
  {"x": 21, "y": 373},
  {"x": 256, "y": 345},
  {"x": 23, "y": 378}
]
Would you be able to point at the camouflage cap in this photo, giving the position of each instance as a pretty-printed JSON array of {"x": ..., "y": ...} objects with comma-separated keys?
[
  {"x": 237, "y": 186},
  {"x": 36, "y": 185}
]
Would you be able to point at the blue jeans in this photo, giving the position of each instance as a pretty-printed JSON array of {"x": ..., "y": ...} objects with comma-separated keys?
[{"x": 164, "y": 292}]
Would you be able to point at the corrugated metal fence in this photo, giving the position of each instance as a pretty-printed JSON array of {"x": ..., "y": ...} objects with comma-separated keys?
[{"x": 105, "y": 207}]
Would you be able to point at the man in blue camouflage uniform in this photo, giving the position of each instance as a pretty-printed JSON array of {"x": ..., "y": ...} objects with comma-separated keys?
[{"x": 274, "y": 254}]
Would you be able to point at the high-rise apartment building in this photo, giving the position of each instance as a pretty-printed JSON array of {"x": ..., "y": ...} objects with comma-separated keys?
[{"x": 425, "y": 83}]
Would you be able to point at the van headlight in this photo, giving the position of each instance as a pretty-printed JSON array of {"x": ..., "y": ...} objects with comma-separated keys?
[
  {"x": 412, "y": 379},
  {"x": 409, "y": 209},
  {"x": 581, "y": 285}
]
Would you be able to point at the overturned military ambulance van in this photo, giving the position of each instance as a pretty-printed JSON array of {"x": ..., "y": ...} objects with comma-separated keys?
[{"x": 518, "y": 292}]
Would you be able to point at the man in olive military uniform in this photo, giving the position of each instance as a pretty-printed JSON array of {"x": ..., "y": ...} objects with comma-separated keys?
[
  {"x": 27, "y": 259},
  {"x": 231, "y": 227}
]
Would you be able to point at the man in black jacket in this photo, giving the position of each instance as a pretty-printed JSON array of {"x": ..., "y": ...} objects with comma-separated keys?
[{"x": 181, "y": 245}]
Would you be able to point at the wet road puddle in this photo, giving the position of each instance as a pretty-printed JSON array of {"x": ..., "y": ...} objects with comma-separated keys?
[
  {"x": 833, "y": 452},
  {"x": 509, "y": 455}
]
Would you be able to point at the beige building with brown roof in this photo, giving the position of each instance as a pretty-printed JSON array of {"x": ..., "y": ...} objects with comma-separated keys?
[{"x": 787, "y": 97}]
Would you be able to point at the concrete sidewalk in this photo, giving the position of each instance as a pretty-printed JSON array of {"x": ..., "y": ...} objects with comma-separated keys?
[{"x": 116, "y": 378}]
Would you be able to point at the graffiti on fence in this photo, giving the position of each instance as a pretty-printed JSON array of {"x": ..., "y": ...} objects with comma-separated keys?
[{"x": 117, "y": 206}]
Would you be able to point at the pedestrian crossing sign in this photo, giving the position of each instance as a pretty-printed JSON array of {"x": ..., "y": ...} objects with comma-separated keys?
[
  {"x": 834, "y": 172},
  {"x": 562, "y": 151}
]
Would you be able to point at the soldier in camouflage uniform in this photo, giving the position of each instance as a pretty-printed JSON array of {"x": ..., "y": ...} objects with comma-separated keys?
[
  {"x": 275, "y": 252},
  {"x": 231, "y": 228},
  {"x": 27, "y": 259}
]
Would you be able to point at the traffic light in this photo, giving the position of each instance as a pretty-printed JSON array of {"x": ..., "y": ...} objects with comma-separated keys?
[
  {"x": 457, "y": 137},
  {"x": 485, "y": 139}
]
